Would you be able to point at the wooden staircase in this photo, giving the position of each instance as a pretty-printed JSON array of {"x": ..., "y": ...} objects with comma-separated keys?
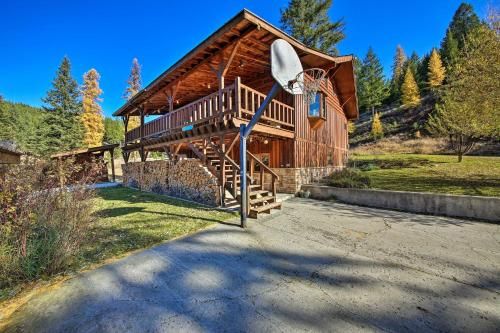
[{"x": 227, "y": 171}]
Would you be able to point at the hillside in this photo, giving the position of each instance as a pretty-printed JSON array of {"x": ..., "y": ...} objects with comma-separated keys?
[
  {"x": 397, "y": 120},
  {"x": 405, "y": 132},
  {"x": 23, "y": 120}
]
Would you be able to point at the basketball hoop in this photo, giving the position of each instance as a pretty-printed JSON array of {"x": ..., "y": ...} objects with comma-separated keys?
[{"x": 309, "y": 82}]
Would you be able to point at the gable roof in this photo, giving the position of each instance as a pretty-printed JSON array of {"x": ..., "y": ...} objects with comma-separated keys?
[{"x": 256, "y": 35}]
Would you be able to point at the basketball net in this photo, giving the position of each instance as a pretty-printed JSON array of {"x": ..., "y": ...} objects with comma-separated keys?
[{"x": 309, "y": 82}]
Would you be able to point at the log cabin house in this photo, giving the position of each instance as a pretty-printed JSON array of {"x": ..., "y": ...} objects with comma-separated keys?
[{"x": 197, "y": 106}]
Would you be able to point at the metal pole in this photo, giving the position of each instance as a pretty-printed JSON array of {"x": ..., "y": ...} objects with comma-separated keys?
[
  {"x": 243, "y": 177},
  {"x": 245, "y": 131}
]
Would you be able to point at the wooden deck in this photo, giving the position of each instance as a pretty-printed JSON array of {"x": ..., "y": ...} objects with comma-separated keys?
[{"x": 236, "y": 103}]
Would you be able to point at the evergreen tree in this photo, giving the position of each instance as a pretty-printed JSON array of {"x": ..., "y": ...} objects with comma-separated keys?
[
  {"x": 397, "y": 73},
  {"x": 133, "y": 87},
  {"x": 377, "y": 131},
  {"x": 423, "y": 68},
  {"x": 469, "y": 109},
  {"x": 372, "y": 88},
  {"x": 92, "y": 113},
  {"x": 7, "y": 124},
  {"x": 449, "y": 50},
  {"x": 410, "y": 95},
  {"x": 114, "y": 130},
  {"x": 413, "y": 63},
  {"x": 463, "y": 22},
  {"x": 61, "y": 128},
  {"x": 308, "y": 21},
  {"x": 436, "y": 70}
]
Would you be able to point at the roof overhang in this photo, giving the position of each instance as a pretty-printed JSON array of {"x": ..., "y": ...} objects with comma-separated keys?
[
  {"x": 84, "y": 151},
  {"x": 240, "y": 26}
]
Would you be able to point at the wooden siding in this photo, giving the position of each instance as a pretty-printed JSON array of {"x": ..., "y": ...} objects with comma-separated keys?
[{"x": 328, "y": 143}]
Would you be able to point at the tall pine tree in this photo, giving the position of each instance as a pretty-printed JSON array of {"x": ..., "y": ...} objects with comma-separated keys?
[
  {"x": 92, "y": 118},
  {"x": 61, "y": 128},
  {"x": 397, "y": 73},
  {"x": 308, "y": 21},
  {"x": 436, "y": 71},
  {"x": 372, "y": 88},
  {"x": 449, "y": 50},
  {"x": 463, "y": 22},
  {"x": 133, "y": 87}
]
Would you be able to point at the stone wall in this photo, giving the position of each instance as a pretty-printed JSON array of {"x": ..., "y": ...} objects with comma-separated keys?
[
  {"x": 291, "y": 179},
  {"x": 186, "y": 178},
  {"x": 481, "y": 208}
]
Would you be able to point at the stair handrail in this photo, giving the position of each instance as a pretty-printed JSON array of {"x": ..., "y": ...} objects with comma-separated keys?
[
  {"x": 228, "y": 159},
  {"x": 274, "y": 175}
]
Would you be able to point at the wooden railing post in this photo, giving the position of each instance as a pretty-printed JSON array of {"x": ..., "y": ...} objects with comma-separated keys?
[
  {"x": 235, "y": 187},
  {"x": 237, "y": 98}
]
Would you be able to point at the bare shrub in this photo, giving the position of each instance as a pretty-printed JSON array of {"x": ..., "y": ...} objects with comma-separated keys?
[{"x": 43, "y": 224}]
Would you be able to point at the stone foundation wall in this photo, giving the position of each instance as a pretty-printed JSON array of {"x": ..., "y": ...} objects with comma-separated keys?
[
  {"x": 291, "y": 179},
  {"x": 186, "y": 178}
]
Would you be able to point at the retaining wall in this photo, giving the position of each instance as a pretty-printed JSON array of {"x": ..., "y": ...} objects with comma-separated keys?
[
  {"x": 481, "y": 208},
  {"x": 291, "y": 179},
  {"x": 186, "y": 178}
]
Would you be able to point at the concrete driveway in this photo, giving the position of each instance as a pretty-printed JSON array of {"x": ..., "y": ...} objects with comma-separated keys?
[{"x": 315, "y": 266}]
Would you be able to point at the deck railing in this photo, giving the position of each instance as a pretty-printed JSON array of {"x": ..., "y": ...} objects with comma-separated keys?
[{"x": 236, "y": 100}]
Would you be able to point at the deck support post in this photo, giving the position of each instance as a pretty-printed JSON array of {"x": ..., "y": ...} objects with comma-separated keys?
[
  {"x": 112, "y": 153},
  {"x": 245, "y": 131},
  {"x": 223, "y": 170}
]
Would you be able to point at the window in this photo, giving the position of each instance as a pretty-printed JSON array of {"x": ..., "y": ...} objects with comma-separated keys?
[
  {"x": 317, "y": 108},
  {"x": 264, "y": 157}
]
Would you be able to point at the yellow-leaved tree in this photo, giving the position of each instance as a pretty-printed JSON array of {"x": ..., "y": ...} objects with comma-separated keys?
[
  {"x": 377, "y": 128},
  {"x": 436, "y": 70},
  {"x": 92, "y": 118},
  {"x": 410, "y": 94}
]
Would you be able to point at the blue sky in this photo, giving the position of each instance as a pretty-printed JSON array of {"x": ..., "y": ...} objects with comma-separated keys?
[{"x": 106, "y": 35}]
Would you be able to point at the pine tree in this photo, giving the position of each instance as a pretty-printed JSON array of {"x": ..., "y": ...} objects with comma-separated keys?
[
  {"x": 61, "y": 128},
  {"x": 410, "y": 95},
  {"x": 114, "y": 130},
  {"x": 133, "y": 87},
  {"x": 463, "y": 22},
  {"x": 449, "y": 50},
  {"x": 469, "y": 108},
  {"x": 308, "y": 21},
  {"x": 423, "y": 69},
  {"x": 377, "y": 131},
  {"x": 7, "y": 123},
  {"x": 92, "y": 118},
  {"x": 436, "y": 70},
  {"x": 372, "y": 88},
  {"x": 413, "y": 63},
  {"x": 397, "y": 73}
]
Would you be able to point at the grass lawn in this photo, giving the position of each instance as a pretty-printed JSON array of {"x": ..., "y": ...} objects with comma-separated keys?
[
  {"x": 475, "y": 175},
  {"x": 129, "y": 220}
]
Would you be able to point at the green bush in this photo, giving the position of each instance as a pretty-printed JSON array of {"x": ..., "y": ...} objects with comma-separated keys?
[
  {"x": 42, "y": 226},
  {"x": 349, "y": 178}
]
